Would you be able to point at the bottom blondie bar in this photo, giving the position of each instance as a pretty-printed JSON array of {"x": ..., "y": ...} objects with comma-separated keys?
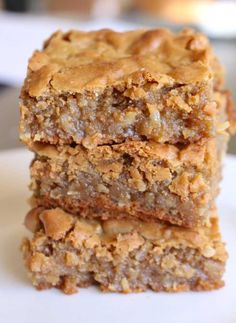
[{"x": 68, "y": 252}]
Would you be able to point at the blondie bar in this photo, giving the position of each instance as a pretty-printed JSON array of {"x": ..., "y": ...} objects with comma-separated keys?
[
  {"x": 68, "y": 252},
  {"x": 143, "y": 180},
  {"x": 104, "y": 87}
]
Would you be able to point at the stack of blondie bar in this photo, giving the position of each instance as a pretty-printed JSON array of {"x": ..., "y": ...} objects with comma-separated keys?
[{"x": 128, "y": 130}]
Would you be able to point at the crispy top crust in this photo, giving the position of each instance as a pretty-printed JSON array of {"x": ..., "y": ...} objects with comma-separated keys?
[
  {"x": 77, "y": 61},
  {"x": 148, "y": 163},
  {"x": 196, "y": 155},
  {"x": 207, "y": 239}
]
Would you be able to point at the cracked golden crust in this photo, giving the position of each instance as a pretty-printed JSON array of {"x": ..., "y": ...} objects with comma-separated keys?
[
  {"x": 194, "y": 154},
  {"x": 56, "y": 223},
  {"x": 150, "y": 84},
  {"x": 64, "y": 225},
  {"x": 77, "y": 61},
  {"x": 181, "y": 259},
  {"x": 130, "y": 180}
]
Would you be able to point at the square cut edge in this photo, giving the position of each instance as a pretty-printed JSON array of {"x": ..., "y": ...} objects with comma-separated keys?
[
  {"x": 149, "y": 84},
  {"x": 126, "y": 256}
]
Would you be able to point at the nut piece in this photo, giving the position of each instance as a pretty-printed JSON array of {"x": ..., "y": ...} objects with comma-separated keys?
[
  {"x": 180, "y": 185},
  {"x": 40, "y": 263},
  {"x": 71, "y": 259},
  {"x": 32, "y": 221},
  {"x": 125, "y": 285},
  {"x": 209, "y": 252},
  {"x": 56, "y": 223},
  {"x": 69, "y": 285}
]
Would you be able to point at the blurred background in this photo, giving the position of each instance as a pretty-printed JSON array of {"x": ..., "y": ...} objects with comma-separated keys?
[{"x": 24, "y": 24}]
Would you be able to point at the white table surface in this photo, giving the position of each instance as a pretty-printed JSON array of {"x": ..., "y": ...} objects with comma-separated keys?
[{"x": 21, "y": 303}]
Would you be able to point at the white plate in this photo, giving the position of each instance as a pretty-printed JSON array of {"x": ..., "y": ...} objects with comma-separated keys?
[{"x": 21, "y": 303}]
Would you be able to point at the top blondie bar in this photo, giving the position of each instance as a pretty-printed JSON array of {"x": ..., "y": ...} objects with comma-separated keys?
[{"x": 104, "y": 87}]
